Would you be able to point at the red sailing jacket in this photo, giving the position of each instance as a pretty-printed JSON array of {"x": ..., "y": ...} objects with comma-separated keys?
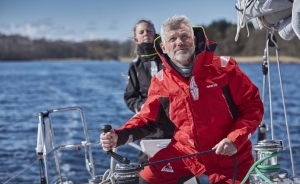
[{"x": 218, "y": 101}]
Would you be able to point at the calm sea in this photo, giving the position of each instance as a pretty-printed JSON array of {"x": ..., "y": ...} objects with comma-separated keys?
[{"x": 27, "y": 88}]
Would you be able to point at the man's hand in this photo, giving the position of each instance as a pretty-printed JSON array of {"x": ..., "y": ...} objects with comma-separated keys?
[
  {"x": 225, "y": 147},
  {"x": 108, "y": 140}
]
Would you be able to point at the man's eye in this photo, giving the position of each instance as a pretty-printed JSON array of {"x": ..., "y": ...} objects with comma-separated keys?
[
  {"x": 184, "y": 37},
  {"x": 172, "y": 39}
]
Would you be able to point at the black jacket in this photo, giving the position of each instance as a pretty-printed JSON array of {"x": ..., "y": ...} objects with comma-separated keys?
[{"x": 140, "y": 73}]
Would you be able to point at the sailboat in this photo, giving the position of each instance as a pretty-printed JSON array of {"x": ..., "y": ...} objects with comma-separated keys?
[{"x": 266, "y": 168}]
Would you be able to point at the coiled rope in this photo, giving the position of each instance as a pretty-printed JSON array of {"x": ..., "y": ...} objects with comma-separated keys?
[{"x": 260, "y": 168}]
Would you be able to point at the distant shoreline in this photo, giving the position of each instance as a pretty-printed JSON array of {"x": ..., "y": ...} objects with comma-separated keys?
[
  {"x": 239, "y": 59},
  {"x": 249, "y": 59},
  {"x": 259, "y": 59}
]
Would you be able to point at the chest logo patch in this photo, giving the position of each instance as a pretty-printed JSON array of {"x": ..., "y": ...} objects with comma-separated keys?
[
  {"x": 194, "y": 89},
  {"x": 167, "y": 168}
]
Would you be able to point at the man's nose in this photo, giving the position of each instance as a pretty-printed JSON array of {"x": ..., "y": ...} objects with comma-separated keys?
[{"x": 179, "y": 41}]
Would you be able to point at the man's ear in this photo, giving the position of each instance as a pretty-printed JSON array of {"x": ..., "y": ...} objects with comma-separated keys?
[
  {"x": 135, "y": 39},
  {"x": 162, "y": 47}
]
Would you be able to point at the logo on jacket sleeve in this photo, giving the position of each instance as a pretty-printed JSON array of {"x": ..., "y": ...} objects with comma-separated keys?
[
  {"x": 194, "y": 89},
  {"x": 160, "y": 75},
  {"x": 154, "y": 68},
  {"x": 167, "y": 168},
  {"x": 224, "y": 60}
]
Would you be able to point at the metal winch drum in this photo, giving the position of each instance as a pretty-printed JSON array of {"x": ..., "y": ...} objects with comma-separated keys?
[
  {"x": 122, "y": 174},
  {"x": 269, "y": 167},
  {"x": 127, "y": 173},
  {"x": 265, "y": 148}
]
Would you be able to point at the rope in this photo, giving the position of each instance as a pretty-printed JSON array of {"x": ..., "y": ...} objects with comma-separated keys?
[
  {"x": 263, "y": 176},
  {"x": 285, "y": 113},
  {"x": 110, "y": 176},
  {"x": 269, "y": 86},
  {"x": 234, "y": 168},
  {"x": 255, "y": 165},
  {"x": 241, "y": 16},
  {"x": 270, "y": 38},
  {"x": 192, "y": 155},
  {"x": 268, "y": 168},
  {"x": 176, "y": 158}
]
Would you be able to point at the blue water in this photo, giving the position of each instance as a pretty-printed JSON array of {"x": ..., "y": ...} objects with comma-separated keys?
[{"x": 27, "y": 88}]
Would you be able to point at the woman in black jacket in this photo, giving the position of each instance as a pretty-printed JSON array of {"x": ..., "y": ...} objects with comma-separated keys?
[{"x": 141, "y": 70}]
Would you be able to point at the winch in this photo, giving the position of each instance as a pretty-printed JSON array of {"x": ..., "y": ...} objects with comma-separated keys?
[
  {"x": 267, "y": 167},
  {"x": 127, "y": 173},
  {"x": 121, "y": 174}
]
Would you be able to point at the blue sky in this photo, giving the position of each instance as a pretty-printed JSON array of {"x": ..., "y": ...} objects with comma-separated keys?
[{"x": 79, "y": 20}]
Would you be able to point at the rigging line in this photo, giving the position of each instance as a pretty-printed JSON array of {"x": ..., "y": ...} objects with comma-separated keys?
[
  {"x": 20, "y": 172},
  {"x": 265, "y": 70},
  {"x": 285, "y": 113},
  {"x": 269, "y": 85},
  {"x": 265, "y": 64}
]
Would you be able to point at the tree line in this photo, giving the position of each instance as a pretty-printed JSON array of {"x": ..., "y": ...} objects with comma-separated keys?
[
  {"x": 16, "y": 47},
  {"x": 254, "y": 45}
]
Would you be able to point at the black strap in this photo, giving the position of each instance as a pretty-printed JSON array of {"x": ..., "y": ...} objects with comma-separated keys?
[{"x": 230, "y": 102}]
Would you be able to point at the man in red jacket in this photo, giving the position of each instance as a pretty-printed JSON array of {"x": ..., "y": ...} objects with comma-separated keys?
[{"x": 211, "y": 102}]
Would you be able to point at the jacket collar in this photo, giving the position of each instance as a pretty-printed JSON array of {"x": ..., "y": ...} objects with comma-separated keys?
[{"x": 146, "y": 50}]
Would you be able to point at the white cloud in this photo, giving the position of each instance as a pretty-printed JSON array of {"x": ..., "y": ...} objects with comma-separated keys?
[{"x": 46, "y": 29}]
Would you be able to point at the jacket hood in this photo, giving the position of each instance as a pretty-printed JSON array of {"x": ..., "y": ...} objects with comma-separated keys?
[{"x": 202, "y": 45}]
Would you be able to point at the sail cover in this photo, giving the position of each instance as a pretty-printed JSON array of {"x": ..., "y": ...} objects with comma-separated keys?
[{"x": 276, "y": 15}]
